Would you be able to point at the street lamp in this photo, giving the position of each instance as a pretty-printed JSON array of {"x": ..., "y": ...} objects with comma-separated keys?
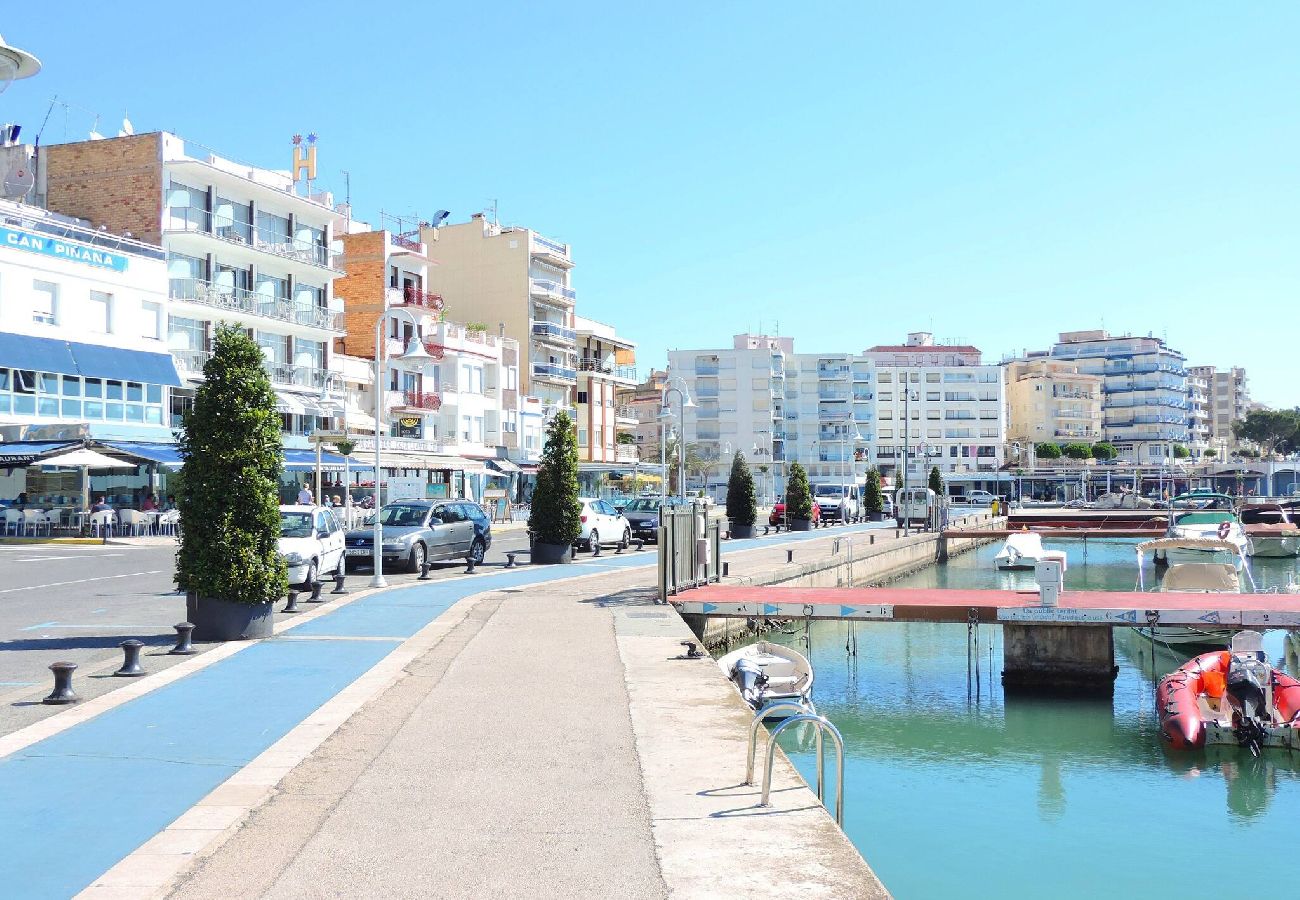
[
  {"x": 15, "y": 64},
  {"x": 676, "y": 384},
  {"x": 416, "y": 353}
]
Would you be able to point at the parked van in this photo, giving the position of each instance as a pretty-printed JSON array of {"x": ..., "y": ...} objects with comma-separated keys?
[
  {"x": 835, "y": 506},
  {"x": 913, "y": 504}
]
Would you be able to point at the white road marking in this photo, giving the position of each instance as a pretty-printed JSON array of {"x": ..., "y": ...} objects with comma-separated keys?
[
  {"x": 79, "y": 556},
  {"x": 37, "y": 587}
]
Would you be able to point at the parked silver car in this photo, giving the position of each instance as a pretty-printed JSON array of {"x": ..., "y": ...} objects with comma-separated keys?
[{"x": 413, "y": 531}]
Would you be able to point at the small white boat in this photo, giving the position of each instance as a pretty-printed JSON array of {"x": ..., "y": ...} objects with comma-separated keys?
[
  {"x": 1023, "y": 550},
  {"x": 1204, "y": 515},
  {"x": 1270, "y": 531},
  {"x": 1203, "y": 576},
  {"x": 764, "y": 672}
]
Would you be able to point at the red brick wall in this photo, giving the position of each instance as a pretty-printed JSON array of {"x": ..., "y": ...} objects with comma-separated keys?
[{"x": 117, "y": 183}]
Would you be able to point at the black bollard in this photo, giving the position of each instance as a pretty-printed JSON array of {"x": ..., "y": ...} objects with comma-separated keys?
[
  {"x": 789, "y": 556},
  {"x": 618, "y": 551},
  {"x": 640, "y": 545},
  {"x": 291, "y": 605},
  {"x": 315, "y": 593},
  {"x": 510, "y": 560},
  {"x": 726, "y": 569},
  {"x": 63, "y": 692},
  {"x": 130, "y": 659},
  {"x": 595, "y": 548},
  {"x": 766, "y": 530},
  {"x": 871, "y": 539},
  {"x": 183, "y": 647},
  {"x": 470, "y": 563},
  {"x": 338, "y": 582},
  {"x": 424, "y": 571}
]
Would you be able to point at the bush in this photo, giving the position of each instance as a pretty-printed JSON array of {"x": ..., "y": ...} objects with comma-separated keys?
[
  {"x": 742, "y": 503},
  {"x": 874, "y": 497},
  {"x": 1047, "y": 451},
  {"x": 229, "y": 499},
  {"x": 1181, "y": 452},
  {"x": 936, "y": 481},
  {"x": 1104, "y": 450},
  {"x": 1210, "y": 454},
  {"x": 1076, "y": 450},
  {"x": 798, "y": 494},
  {"x": 554, "y": 518}
]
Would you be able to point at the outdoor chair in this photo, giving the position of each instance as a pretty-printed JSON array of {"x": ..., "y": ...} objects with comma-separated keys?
[
  {"x": 169, "y": 522},
  {"x": 13, "y": 521},
  {"x": 102, "y": 522},
  {"x": 134, "y": 522},
  {"x": 34, "y": 520}
]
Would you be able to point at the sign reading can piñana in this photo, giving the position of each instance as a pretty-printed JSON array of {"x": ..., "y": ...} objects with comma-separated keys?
[{"x": 62, "y": 249}]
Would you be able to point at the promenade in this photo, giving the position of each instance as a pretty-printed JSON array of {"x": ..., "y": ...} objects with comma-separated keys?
[{"x": 523, "y": 732}]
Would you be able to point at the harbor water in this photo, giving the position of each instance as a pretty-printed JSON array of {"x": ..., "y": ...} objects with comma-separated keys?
[{"x": 954, "y": 790}]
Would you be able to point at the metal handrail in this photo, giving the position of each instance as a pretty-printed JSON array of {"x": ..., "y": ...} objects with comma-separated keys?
[
  {"x": 823, "y": 725},
  {"x": 772, "y": 706}
]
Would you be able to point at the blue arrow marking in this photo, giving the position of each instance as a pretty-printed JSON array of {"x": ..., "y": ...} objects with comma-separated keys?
[
  {"x": 1212, "y": 617},
  {"x": 769, "y": 608},
  {"x": 710, "y": 607},
  {"x": 847, "y": 610},
  {"x": 1130, "y": 616}
]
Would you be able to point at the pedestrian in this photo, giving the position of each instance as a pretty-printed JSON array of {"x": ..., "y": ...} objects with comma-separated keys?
[
  {"x": 22, "y": 499},
  {"x": 337, "y": 501},
  {"x": 305, "y": 497},
  {"x": 150, "y": 504},
  {"x": 171, "y": 502},
  {"x": 100, "y": 505}
]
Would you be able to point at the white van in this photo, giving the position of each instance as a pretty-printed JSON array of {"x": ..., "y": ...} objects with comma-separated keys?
[{"x": 913, "y": 504}]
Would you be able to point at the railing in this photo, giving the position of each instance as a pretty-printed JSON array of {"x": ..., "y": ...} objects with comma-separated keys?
[
  {"x": 551, "y": 246},
  {"x": 552, "y": 288},
  {"x": 412, "y": 296},
  {"x": 770, "y": 709},
  {"x": 550, "y": 329},
  {"x": 402, "y": 240},
  {"x": 192, "y": 362},
  {"x": 690, "y": 550},
  {"x": 625, "y": 412},
  {"x": 550, "y": 412},
  {"x": 367, "y": 445},
  {"x": 833, "y": 372},
  {"x": 236, "y": 232},
  {"x": 825, "y": 394},
  {"x": 282, "y": 309},
  {"x": 590, "y": 364},
  {"x": 1062, "y": 432},
  {"x": 822, "y": 724},
  {"x": 425, "y": 400},
  {"x": 833, "y": 415}
]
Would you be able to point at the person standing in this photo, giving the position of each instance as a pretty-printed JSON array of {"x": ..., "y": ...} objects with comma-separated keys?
[{"x": 304, "y": 496}]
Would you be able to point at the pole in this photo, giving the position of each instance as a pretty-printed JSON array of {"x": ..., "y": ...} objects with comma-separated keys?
[
  {"x": 902, "y": 494},
  {"x": 381, "y": 364},
  {"x": 681, "y": 443},
  {"x": 318, "y": 493},
  {"x": 663, "y": 455}
]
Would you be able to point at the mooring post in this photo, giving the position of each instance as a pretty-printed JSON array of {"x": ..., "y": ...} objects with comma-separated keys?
[
  {"x": 62, "y": 692},
  {"x": 130, "y": 659},
  {"x": 184, "y": 632},
  {"x": 315, "y": 592},
  {"x": 291, "y": 604},
  {"x": 338, "y": 582}
]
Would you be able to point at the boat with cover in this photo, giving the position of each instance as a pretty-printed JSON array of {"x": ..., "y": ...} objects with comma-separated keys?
[
  {"x": 1270, "y": 531},
  {"x": 1023, "y": 550},
  {"x": 1202, "y": 514},
  {"x": 1230, "y": 697},
  {"x": 764, "y": 672},
  {"x": 1203, "y": 576}
]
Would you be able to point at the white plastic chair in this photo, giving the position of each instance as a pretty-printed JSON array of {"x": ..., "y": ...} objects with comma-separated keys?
[
  {"x": 34, "y": 520},
  {"x": 102, "y": 522},
  {"x": 13, "y": 521},
  {"x": 133, "y": 521},
  {"x": 169, "y": 521}
]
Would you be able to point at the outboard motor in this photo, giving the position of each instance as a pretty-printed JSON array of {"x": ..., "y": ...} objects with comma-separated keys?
[
  {"x": 1249, "y": 675},
  {"x": 750, "y": 679}
]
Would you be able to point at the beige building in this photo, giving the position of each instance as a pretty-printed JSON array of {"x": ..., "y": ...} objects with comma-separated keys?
[
  {"x": 606, "y": 384},
  {"x": 1227, "y": 401},
  {"x": 1049, "y": 400},
  {"x": 514, "y": 282},
  {"x": 645, "y": 404}
]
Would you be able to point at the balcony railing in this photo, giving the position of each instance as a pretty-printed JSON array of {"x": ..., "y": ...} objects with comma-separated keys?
[
  {"x": 833, "y": 415},
  {"x": 832, "y": 394},
  {"x": 367, "y": 445},
  {"x": 192, "y": 362},
  {"x": 552, "y": 330},
  {"x": 550, "y": 246},
  {"x": 589, "y": 364},
  {"x": 625, "y": 412},
  {"x": 281, "y": 309},
  {"x": 550, "y": 412},
  {"x": 546, "y": 370},
  {"x": 706, "y": 368},
  {"x": 425, "y": 400},
  {"x": 833, "y": 372},
  {"x": 412, "y": 296},
  {"x": 552, "y": 289},
  {"x": 236, "y": 232},
  {"x": 706, "y": 391}
]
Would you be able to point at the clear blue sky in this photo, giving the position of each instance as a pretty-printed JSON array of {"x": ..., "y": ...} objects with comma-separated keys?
[{"x": 995, "y": 172}]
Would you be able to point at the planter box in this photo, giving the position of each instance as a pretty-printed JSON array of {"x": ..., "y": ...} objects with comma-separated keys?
[
  {"x": 740, "y": 531},
  {"x": 801, "y": 524},
  {"x": 215, "y": 619},
  {"x": 876, "y": 517},
  {"x": 551, "y": 554}
]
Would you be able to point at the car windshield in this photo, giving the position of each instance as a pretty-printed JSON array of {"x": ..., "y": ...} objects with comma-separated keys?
[
  {"x": 829, "y": 490},
  {"x": 402, "y": 514},
  {"x": 643, "y": 505},
  {"x": 295, "y": 524}
]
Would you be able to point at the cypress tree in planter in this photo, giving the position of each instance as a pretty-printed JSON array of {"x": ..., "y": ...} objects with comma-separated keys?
[
  {"x": 874, "y": 498},
  {"x": 936, "y": 481},
  {"x": 798, "y": 499},
  {"x": 554, "y": 523},
  {"x": 742, "y": 504},
  {"x": 228, "y": 562}
]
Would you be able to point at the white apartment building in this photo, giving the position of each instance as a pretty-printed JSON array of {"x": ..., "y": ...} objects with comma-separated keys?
[
  {"x": 1199, "y": 414},
  {"x": 1227, "y": 401}
]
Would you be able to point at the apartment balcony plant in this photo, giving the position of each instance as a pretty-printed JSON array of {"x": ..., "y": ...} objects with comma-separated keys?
[
  {"x": 554, "y": 524},
  {"x": 742, "y": 502},
  {"x": 228, "y": 563},
  {"x": 798, "y": 499}
]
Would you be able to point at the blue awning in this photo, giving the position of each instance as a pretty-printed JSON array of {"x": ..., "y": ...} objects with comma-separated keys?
[
  {"x": 164, "y": 454},
  {"x": 21, "y": 351},
  {"x": 21, "y": 453},
  {"x": 305, "y": 461}
]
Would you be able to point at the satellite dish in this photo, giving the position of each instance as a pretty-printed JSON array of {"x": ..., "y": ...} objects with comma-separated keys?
[
  {"x": 95, "y": 135},
  {"x": 18, "y": 182},
  {"x": 127, "y": 128}
]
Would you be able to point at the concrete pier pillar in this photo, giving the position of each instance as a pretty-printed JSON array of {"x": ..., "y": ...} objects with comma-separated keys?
[{"x": 1076, "y": 659}]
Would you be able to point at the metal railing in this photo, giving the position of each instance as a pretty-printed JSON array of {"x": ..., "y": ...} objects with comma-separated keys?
[
  {"x": 551, "y": 246},
  {"x": 282, "y": 309},
  {"x": 552, "y": 288},
  {"x": 237, "y": 232},
  {"x": 550, "y": 329},
  {"x": 546, "y": 370},
  {"x": 192, "y": 362},
  {"x": 823, "y": 726},
  {"x": 422, "y": 400},
  {"x": 690, "y": 547},
  {"x": 415, "y": 297},
  {"x": 770, "y": 709}
]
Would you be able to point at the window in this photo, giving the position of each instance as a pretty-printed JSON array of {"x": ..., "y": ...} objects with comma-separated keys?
[
  {"x": 932, "y": 377},
  {"x": 932, "y": 413},
  {"x": 100, "y": 317},
  {"x": 151, "y": 320},
  {"x": 45, "y": 302},
  {"x": 186, "y": 208},
  {"x": 884, "y": 377},
  {"x": 582, "y": 437},
  {"x": 931, "y": 395},
  {"x": 886, "y": 396},
  {"x": 185, "y": 334},
  {"x": 582, "y": 396}
]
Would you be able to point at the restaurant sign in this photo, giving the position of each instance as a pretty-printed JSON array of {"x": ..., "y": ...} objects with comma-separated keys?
[
  {"x": 62, "y": 249},
  {"x": 410, "y": 427}
]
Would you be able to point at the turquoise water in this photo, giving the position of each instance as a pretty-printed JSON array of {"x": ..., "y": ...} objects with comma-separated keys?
[{"x": 994, "y": 797}]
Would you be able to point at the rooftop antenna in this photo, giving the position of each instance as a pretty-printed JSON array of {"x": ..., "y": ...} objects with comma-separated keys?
[{"x": 493, "y": 208}]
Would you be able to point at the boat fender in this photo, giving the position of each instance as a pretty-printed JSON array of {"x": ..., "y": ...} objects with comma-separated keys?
[{"x": 1224, "y": 528}]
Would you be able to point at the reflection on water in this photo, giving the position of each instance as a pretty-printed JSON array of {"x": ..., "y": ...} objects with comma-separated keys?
[{"x": 1045, "y": 797}]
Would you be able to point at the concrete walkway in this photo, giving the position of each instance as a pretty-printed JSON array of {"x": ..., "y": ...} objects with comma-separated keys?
[{"x": 479, "y": 735}]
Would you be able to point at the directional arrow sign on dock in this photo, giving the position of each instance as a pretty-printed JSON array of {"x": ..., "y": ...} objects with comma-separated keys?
[{"x": 709, "y": 607}]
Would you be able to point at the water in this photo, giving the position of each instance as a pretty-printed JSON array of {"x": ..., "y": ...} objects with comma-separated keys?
[{"x": 996, "y": 797}]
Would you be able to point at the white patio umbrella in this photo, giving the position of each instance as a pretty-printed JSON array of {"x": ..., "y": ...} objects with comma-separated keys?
[{"x": 85, "y": 459}]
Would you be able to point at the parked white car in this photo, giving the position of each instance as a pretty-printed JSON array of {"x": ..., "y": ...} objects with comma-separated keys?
[
  {"x": 602, "y": 524},
  {"x": 972, "y": 498},
  {"x": 311, "y": 542}
]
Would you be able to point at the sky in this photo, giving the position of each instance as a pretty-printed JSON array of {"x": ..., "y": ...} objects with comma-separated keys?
[{"x": 844, "y": 172}]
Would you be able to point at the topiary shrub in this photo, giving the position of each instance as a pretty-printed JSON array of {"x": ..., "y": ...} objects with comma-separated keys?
[
  {"x": 742, "y": 502},
  {"x": 229, "y": 497},
  {"x": 1181, "y": 452},
  {"x": 554, "y": 518},
  {"x": 1104, "y": 450},
  {"x": 798, "y": 494},
  {"x": 1076, "y": 450},
  {"x": 875, "y": 495},
  {"x": 1047, "y": 451},
  {"x": 936, "y": 481}
]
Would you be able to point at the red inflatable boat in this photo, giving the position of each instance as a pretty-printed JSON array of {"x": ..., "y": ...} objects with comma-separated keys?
[{"x": 1230, "y": 697}]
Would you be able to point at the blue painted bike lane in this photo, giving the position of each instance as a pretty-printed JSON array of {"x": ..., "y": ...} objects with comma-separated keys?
[{"x": 76, "y": 803}]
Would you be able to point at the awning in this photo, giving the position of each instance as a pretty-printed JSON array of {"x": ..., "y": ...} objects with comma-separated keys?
[
  {"x": 167, "y": 455},
  {"x": 21, "y": 351},
  {"x": 504, "y": 466},
  {"x": 469, "y": 466},
  {"x": 357, "y": 418},
  {"x": 84, "y": 457},
  {"x": 305, "y": 461},
  {"x": 289, "y": 403},
  {"x": 21, "y": 453}
]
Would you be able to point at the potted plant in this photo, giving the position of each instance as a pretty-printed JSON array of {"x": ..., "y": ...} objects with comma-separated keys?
[
  {"x": 936, "y": 481},
  {"x": 554, "y": 523},
  {"x": 798, "y": 499},
  {"x": 228, "y": 563},
  {"x": 874, "y": 499},
  {"x": 742, "y": 504}
]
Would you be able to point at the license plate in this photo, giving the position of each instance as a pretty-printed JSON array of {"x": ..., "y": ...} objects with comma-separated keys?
[{"x": 359, "y": 551}]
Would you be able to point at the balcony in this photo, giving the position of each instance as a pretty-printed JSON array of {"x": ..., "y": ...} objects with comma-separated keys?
[
  {"x": 833, "y": 415},
  {"x": 626, "y": 453},
  {"x": 251, "y": 303},
  {"x": 554, "y": 333},
  {"x": 863, "y": 396},
  {"x": 623, "y": 372},
  {"x": 706, "y": 390},
  {"x": 544, "y": 289},
  {"x": 551, "y": 251},
  {"x": 418, "y": 400},
  {"x": 550, "y": 412},
  {"x": 200, "y": 221},
  {"x": 707, "y": 369},
  {"x": 415, "y": 297},
  {"x": 828, "y": 393},
  {"x": 625, "y": 415},
  {"x": 366, "y": 446},
  {"x": 191, "y": 363},
  {"x": 833, "y": 373},
  {"x": 554, "y": 372}
]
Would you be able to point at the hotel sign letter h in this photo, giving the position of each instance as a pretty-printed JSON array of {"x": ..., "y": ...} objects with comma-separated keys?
[{"x": 304, "y": 160}]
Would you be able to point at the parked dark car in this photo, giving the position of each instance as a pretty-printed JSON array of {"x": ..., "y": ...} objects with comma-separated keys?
[
  {"x": 414, "y": 531},
  {"x": 643, "y": 515}
]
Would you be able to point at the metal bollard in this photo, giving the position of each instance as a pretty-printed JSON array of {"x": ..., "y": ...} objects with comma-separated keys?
[
  {"x": 130, "y": 659},
  {"x": 766, "y": 530},
  {"x": 898, "y": 532},
  {"x": 726, "y": 569},
  {"x": 510, "y": 560},
  {"x": 640, "y": 545},
  {"x": 424, "y": 571},
  {"x": 184, "y": 631},
  {"x": 871, "y": 539},
  {"x": 291, "y": 604},
  {"x": 470, "y": 563},
  {"x": 789, "y": 556},
  {"x": 595, "y": 549},
  {"x": 63, "y": 692},
  {"x": 315, "y": 593},
  {"x": 338, "y": 582},
  {"x": 618, "y": 551}
]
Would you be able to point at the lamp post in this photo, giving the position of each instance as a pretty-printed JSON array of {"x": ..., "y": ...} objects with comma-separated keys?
[
  {"x": 415, "y": 352},
  {"x": 676, "y": 384},
  {"x": 15, "y": 64}
]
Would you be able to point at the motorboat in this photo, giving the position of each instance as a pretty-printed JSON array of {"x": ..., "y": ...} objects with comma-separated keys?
[
  {"x": 1270, "y": 531},
  {"x": 1206, "y": 575},
  {"x": 1023, "y": 550},
  {"x": 1230, "y": 697},
  {"x": 1202, "y": 514},
  {"x": 764, "y": 672}
]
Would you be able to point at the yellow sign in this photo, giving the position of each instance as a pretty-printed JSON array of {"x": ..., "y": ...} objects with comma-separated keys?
[{"x": 303, "y": 159}]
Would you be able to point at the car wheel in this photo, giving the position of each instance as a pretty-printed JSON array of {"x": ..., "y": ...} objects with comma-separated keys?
[
  {"x": 416, "y": 559},
  {"x": 311, "y": 576},
  {"x": 627, "y": 537},
  {"x": 593, "y": 541},
  {"x": 476, "y": 552}
]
